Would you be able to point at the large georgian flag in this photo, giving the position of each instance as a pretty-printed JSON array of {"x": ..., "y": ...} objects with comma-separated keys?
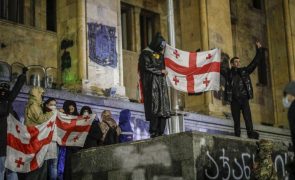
[
  {"x": 29, "y": 146},
  {"x": 193, "y": 72}
]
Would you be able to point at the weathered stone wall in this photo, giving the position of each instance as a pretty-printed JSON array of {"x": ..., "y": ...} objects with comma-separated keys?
[
  {"x": 187, "y": 156},
  {"x": 278, "y": 56},
  {"x": 130, "y": 57},
  {"x": 67, "y": 29},
  {"x": 28, "y": 45},
  {"x": 189, "y": 30},
  {"x": 220, "y": 36},
  {"x": 103, "y": 12}
]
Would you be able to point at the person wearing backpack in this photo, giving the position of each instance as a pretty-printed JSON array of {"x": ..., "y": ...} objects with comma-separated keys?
[{"x": 109, "y": 128}]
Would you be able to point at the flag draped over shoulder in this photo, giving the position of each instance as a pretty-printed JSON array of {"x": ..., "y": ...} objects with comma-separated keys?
[
  {"x": 29, "y": 146},
  {"x": 193, "y": 72}
]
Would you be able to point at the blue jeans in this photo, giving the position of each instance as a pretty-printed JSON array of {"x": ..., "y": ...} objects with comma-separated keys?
[
  {"x": 10, "y": 175},
  {"x": 52, "y": 169}
]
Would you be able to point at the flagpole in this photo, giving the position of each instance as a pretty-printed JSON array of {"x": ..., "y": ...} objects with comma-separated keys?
[{"x": 175, "y": 123}]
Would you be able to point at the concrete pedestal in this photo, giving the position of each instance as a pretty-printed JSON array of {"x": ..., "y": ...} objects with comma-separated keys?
[{"x": 187, "y": 156}]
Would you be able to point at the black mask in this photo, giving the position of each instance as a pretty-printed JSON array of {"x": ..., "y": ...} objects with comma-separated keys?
[{"x": 158, "y": 43}]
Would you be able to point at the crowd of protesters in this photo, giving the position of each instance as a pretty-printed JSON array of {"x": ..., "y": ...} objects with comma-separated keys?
[{"x": 102, "y": 132}]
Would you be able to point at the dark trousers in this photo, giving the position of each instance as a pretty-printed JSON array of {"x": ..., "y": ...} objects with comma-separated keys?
[
  {"x": 238, "y": 105},
  {"x": 157, "y": 125},
  {"x": 38, "y": 174}
]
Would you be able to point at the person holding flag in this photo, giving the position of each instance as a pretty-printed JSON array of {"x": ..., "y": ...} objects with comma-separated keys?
[
  {"x": 238, "y": 91},
  {"x": 153, "y": 85}
]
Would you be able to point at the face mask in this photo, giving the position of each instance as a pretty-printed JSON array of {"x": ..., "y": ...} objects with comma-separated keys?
[
  {"x": 286, "y": 102},
  {"x": 52, "y": 107},
  {"x": 85, "y": 113}
]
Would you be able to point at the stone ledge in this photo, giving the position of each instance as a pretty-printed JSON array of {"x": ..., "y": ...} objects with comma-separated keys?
[{"x": 185, "y": 156}]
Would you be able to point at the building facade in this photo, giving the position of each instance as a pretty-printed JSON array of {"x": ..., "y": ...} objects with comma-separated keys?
[{"x": 94, "y": 44}]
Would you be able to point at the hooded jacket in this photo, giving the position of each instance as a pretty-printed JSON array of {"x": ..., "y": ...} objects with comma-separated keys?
[
  {"x": 124, "y": 123},
  {"x": 106, "y": 121},
  {"x": 33, "y": 113}
]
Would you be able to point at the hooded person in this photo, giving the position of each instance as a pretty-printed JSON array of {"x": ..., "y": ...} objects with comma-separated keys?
[
  {"x": 124, "y": 123},
  {"x": 154, "y": 86},
  {"x": 107, "y": 122},
  {"x": 289, "y": 103},
  {"x": 6, "y": 99},
  {"x": 34, "y": 109}
]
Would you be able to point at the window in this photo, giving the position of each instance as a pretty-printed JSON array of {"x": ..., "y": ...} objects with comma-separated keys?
[
  {"x": 262, "y": 70},
  {"x": 12, "y": 10},
  {"x": 147, "y": 27},
  {"x": 51, "y": 15},
  {"x": 126, "y": 25},
  {"x": 257, "y": 4}
]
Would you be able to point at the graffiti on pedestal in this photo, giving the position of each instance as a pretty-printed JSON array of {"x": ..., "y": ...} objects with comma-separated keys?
[
  {"x": 102, "y": 44},
  {"x": 226, "y": 165}
]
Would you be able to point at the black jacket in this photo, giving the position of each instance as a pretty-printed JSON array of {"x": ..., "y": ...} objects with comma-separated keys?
[
  {"x": 6, "y": 108},
  {"x": 291, "y": 118},
  {"x": 244, "y": 73},
  {"x": 155, "y": 89},
  {"x": 94, "y": 135}
]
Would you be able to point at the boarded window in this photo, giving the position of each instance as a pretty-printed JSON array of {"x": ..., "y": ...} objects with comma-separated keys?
[
  {"x": 262, "y": 70},
  {"x": 126, "y": 25},
  {"x": 12, "y": 10},
  {"x": 257, "y": 4},
  {"x": 51, "y": 15},
  {"x": 147, "y": 27}
]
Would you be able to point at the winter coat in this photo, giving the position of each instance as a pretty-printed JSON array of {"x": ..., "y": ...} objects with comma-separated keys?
[
  {"x": 124, "y": 123},
  {"x": 106, "y": 121},
  {"x": 94, "y": 135},
  {"x": 6, "y": 107},
  {"x": 34, "y": 113},
  {"x": 154, "y": 85},
  {"x": 244, "y": 78},
  {"x": 291, "y": 118}
]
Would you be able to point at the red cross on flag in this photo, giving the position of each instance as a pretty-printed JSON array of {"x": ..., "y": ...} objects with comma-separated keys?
[
  {"x": 193, "y": 72},
  {"x": 29, "y": 146}
]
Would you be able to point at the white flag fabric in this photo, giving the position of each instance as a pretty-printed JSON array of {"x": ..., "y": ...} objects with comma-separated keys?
[
  {"x": 29, "y": 146},
  {"x": 193, "y": 72}
]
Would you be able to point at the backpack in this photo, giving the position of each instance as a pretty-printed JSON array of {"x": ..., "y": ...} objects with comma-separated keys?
[{"x": 111, "y": 136}]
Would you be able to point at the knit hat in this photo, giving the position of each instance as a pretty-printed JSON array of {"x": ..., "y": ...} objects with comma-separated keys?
[{"x": 290, "y": 88}]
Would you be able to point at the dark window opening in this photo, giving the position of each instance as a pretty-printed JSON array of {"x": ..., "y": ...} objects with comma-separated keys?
[
  {"x": 257, "y": 4},
  {"x": 126, "y": 25},
  {"x": 147, "y": 27},
  {"x": 51, "y": 15},
  {"x": 12, "y": 10},
  {"x": 262, "y": 71},
  {"x": 32, "y": 15}
]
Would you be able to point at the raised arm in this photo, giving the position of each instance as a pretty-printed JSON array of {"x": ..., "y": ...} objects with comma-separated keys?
[
  {"x": 18, "y": 85},
  {"x": 259, "y": 55}
]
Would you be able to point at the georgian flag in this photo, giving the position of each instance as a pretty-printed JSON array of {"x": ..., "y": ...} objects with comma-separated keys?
[
  {"x": 193, "y": 72},
  {"x": 29, "y": 146}
]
